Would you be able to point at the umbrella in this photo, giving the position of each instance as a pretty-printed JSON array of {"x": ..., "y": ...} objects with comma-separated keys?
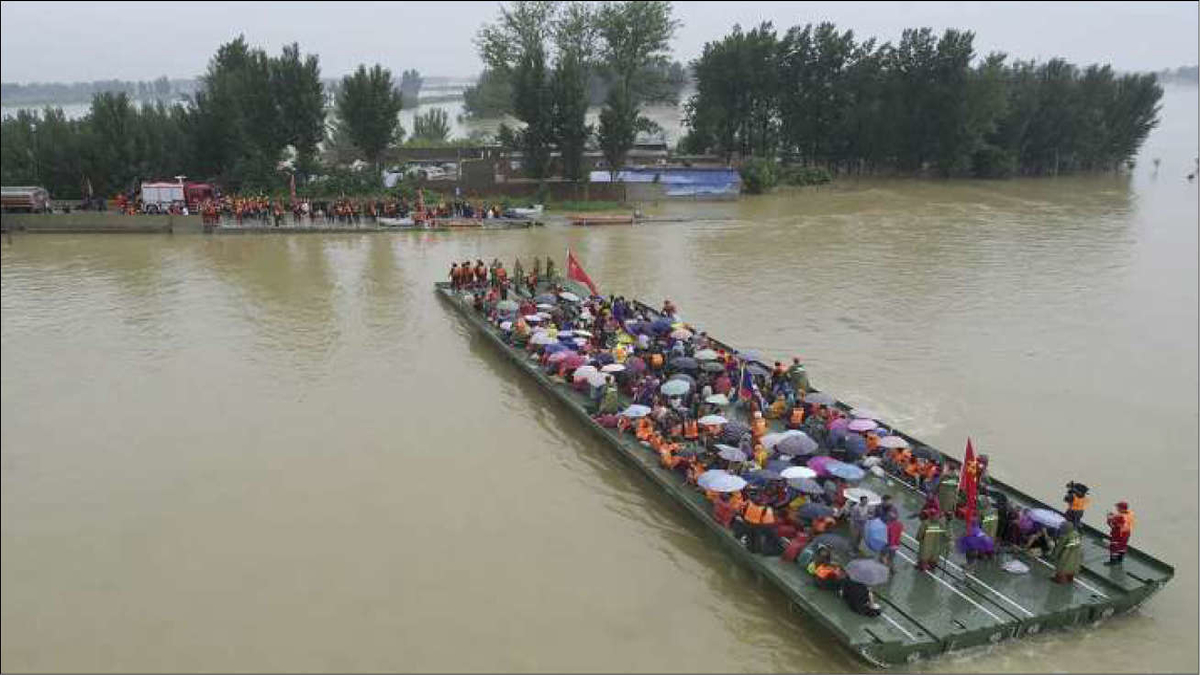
[
  {"x": 635, "y": 411},
  {"x": 749, "y": 355},
  {"x": 563, "y": 334},
  {"x": 717, "y": 399},
  {"x": 681, "y": 334},
  {"x": 820, "y": 463},
  {"x": 730, "y": 453},
  {"x": 813, "y": 510},
  {"x": 660, "y": 326},
  {"x": 834, "y": 541},
  {"x": 635, "y": 365},
  {"x": 584, "y": 333},
  {"x": 545, "y": 315},
  {"x": 559, "y": 356},
  {"x": 683, "y": 363},
  {"x": 839, "y": 424},
  {"x": 583, "y": 372},
  {"x": 854, "y": 494},
  {"x": 924, "y": 452},
  {"x": 545, "y": 298},
  {"x": 892, "y": 442},
  {"x": 806, "y": 485},
  {"x": 675, "y": 387},
  {"x": 612, "y": 368},
  {"x": 756, "y": 369},
  {"x": 876, "y": 535},
  {"x": 862, "y": 425},
  {"x": 798, "y": 472},
  {"x": 779, "y": 466},
  {"x": 533, "y": 318},
  {"x": 542, "y": 339},
  {"x": 545, "y": 305},
  {"x": 797, "y": 444},
  {"x": 683, "y": 376},
  {"x": 733, "y": 431},
  {"x": 819, "y": 398},
  {"x": 505, "y": 325},
  {"x": 566, "y": 295},
  {"x": 712, "y": 366},
  {"x": 574, "y": 361},
  {"x": 507, "y": 306},
  {"x": 556, "y": 347},
  {"x": 1051, "y": 519},
  {"x": 705, "y": 479},
  {"x": 705, "y": 355},
  {"x": 597, "y": 379},
  {"x": 867, "y": 571},
  {"x": 772, "y": 439},
  {"x": 863, "y": 413},
  {"x": 847, "y": 472},
  {"x": 710, "y": 420},
  {"x": 579, "y": 342},
  {"x": 727, "y": 483}
]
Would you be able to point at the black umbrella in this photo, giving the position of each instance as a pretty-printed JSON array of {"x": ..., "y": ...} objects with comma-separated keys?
[
  {"x": 924, "y": 452},
  {"x": 833, "y": 541},
  {"x": 755, "y": 369},
  {"x": 683, "y": 363},
  {"x": 713, "y": 366}
]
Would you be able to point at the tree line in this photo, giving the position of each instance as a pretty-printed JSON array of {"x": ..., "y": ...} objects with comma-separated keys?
[
  {"x": 252, "y": 120},
  {"x": 16, "y": 94},
  {"x": 547, "y": 51},
  {"x": 817, "y": 96}
]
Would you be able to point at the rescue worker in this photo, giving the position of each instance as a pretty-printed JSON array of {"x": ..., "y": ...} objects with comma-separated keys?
[
  {"x": 761, "y": 519},
  {"x": 932, "y": 536},
  {"x": 1076, "y": 500},
  {"x": 947, "y": 490},
  {"x": 798, "y": 376},
  {"x": 989, "y": 518},
  {"x": 796, "y": 417},
  {"x": 610, "y": 404},
  {"x": 1067, "y": 554},
  {"x": 828, "y": 573},
  {"x": 454, "y": 278},
  {"x": 1120, "y": 527}
]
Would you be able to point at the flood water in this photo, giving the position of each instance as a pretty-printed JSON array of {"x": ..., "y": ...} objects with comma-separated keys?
[{"x": 282, "y": 453}]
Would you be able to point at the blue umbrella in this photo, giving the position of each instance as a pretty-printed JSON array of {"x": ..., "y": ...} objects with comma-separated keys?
[
  {"x": 661, "y": 326},
  {"x": 705, "y": 479},
  {"x": 556, "y": 347},
  {"x": 796, "y": 443},
  {"x": 730, "y": 453},
  {"x": 847, "y": 472},
  {"x": 778, "y": 465},
  {"x": 675, "y": 387},
  {"x": 683, "y": 363},
  {"x": 876, "y": 535},
  {"x": 813, "y": 510},
  {"x": 807, "y": 485},
  {"x": 634, "y": 411},
  {"x": 762, "y": 476}
]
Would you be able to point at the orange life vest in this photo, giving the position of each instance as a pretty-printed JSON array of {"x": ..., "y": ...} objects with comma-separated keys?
[
  {"x": 1079, "y": 503},
  {"x": 759, "y": 515},
  {"x": 826, "y": 572},
  {"x": 797, "y": 417}
]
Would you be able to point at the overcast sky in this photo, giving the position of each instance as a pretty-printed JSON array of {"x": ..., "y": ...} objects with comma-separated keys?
[{"x": 81, "y": 41}]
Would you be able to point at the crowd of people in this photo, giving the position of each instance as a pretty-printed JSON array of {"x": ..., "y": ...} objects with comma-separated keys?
[{"x": 722, "y": 421}]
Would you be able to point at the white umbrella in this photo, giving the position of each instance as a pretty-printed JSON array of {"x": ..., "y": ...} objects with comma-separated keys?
[
  {"x": 728, "y": 483},
  {"x": 545, "y": 306},
  {"x": 542, "y": 339},
  {"x": 597, "y": 379},
  {"x": 584, "y": 333},
  {"x": 566, "y": 295},
  {"x": 854, "y": 494},
  {"x": 681, "y": 334},
  {"x": 717, "y": 399},
  {"x": 533, "y": 317},
  {"x": 505, "y": 325},
  {"x": 544, "y": 315},
  {"x": 769, "y": 441},
  {"x": 862, "y": 425},
  {"x": 712, "y": 420},
  {"x": 892, "y": 442},
  {"x": 705, "y": 479},
  {"x": 612, "y": 368},
  {"x": 635, "y": 411},
  {"x": 705, "y": 355},
  {"x": 798, "y": 472},
  {"x": 583, "y": 372}
]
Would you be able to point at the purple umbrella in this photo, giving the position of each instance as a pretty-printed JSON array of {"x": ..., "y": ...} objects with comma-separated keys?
[
  {"x": 839, "y": 423},
  {"x": 818, "y": 464},
  {"x": 975, "y": 541},
  {"x": 635, "y": 365}
]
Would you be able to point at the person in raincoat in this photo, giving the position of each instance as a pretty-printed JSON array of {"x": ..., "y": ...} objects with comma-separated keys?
[
  {"x": 1067, "y": 554},
  {"x": 947, "y": 490},
  {"x": 610, "y": 404},
  {"x": 932, "y": 535},
  {"x": 989, "y": 518},
  {"x": 798, "y": 377},
  {"x": 1120, "y": 528}
]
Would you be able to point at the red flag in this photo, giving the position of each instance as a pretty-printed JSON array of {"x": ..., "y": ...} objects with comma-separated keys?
[
  {"x": 970, "y": 482},
  {"x": 575, "y": 272}
]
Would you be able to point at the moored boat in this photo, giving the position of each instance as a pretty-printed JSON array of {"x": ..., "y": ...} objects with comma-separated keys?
[{"x": 925, "y": 613}]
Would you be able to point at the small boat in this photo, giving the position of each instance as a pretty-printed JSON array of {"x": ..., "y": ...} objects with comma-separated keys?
[
  {"x": 395, "y": 222},
  {"x": 456, "y": 224},
  {"x": 602, "y": 220},
  {"x": 532, "y": 212}
]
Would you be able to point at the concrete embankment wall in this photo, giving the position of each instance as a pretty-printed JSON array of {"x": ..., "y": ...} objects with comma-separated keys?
[{"x": 98, "y": 221}]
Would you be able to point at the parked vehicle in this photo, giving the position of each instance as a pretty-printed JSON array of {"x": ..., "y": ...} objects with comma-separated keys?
[
  {"x": 159, "y": 197},
  {"x": 25, "y": 199}
]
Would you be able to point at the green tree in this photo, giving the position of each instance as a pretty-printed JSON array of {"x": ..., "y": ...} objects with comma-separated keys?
[
  {"x": 433, "y": 126},
  {"x": 300, "y": 98},
  {"x": 575, "y": 39},
  {"x": 368, "y": 107}
]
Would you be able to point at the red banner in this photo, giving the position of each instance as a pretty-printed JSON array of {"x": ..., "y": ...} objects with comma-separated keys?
[
  {"x": 970, "y": 482},
  {"x": 575, "y": 272}
]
